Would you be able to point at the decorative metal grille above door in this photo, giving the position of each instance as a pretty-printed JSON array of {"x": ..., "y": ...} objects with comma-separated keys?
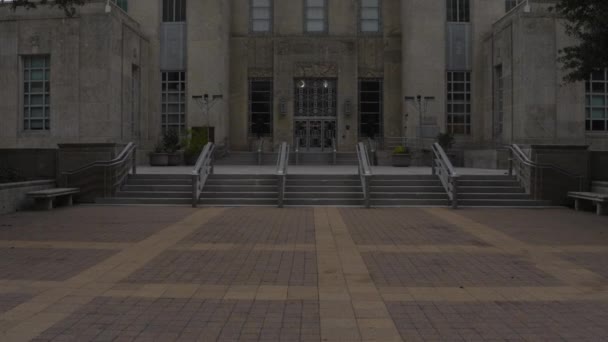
[{"x": 315, "y": 97}]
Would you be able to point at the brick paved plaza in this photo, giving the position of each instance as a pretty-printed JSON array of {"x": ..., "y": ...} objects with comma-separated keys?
[{"x": 93, "y": 273}]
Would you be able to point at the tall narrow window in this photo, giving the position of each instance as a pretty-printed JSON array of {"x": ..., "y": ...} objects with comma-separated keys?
[
  {"x": 596, "y": 109},
  {"x": 173, "y": 101},
  {"x": 458, "y": 11},
  {"x": 123, "y": 4},
  {"x": 261, "y": 16},
  {"x": 315, "y": 16},
  {"x": 174, "y": 11},
  {"x": 370, "y": 107},
  {"x": 370, "y": 16},
  {"x": 36, "y": 93},
  {"x": 459, "y": 102},
  {"x": 260, "y": 107}
]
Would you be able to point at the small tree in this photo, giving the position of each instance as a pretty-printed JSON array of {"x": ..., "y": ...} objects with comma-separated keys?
[
  {"x": 68, "y": 6},
  {"x": 587, "y": 21}
]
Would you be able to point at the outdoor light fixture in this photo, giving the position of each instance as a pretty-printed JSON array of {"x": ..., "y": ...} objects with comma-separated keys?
[
  {"x": 283, "y": 106},
  {"x": 527, "y": 8},
  {"x": 325, "y": 84},
  {"x": 302, "y": 84},
  {"x": 108, "y": 7},
  {"x": 348, "y": 107}
]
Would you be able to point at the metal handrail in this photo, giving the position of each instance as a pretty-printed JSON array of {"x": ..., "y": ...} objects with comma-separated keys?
[
  {"x": 365, "y": 172},
  {"x": 443, "y": 168},
  {"x": 115, "y": 172},
  {"x": 260, "y": 151},
  {"x": 202, "y": 169},
  {"x": 297, "y": 151},
  {"x": 282, "y": 166},
  {"x": 334, "y": 150},
  {"x": 524, "y": 175}
]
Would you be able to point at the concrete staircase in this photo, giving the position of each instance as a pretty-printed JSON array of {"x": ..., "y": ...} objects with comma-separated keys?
[
  {"x": 240, "y": 190},
  {"x": 153, "y": 189},
  {"x": 338, "y": 190},
  {"x": 495, "y": 190},
  {"x": 246, "y": 158},
  {"x": 406, "y": 190}
]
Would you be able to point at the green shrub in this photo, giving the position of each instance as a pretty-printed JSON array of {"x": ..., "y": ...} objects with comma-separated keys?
[
  {"x": 197, "y": 139},
  {"x": 445, "y": 140},
  {"x": 400, "y": 150},
  {"x": 171, "y": 140}
]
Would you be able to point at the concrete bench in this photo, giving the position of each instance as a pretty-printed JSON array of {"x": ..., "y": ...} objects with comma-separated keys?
[
  {"x": 45, "y": 199},
  {"x": 599, "y": 200}
]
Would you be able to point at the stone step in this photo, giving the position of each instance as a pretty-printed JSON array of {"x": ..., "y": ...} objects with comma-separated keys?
[
  {"x": 213, "y": 181},
  {"x": 490, "y": 196},
  {"x": 400, "y": 202},
  {"x": 208, "y": 194},
  {"x": 238, "y": 201},
  {"x": 489, "y": 189},
  {"x": 161, "y": 188},
  {"x": 376, "y": 182},
  {"x": 487, "y": 177},
  {"x": 240, "y": 188},
  {"x": 314, "y": 195},
  {"x": 323, "y": 177},
  {"x": 513, "y": 183},
  {"x": 381, "y": 189},
  {"x": 503, "y": 203},
  {"x": 153, "y": 194},
  {"x": 240, "y": 176},
  {"x": 408, "y": 195},
  {"x": 160, "y": 176},
  {"x": 159, "y": 181},
  {"x": 324, "y": 189},
  {"x": 405, "y": 177},
  {"x": 323, "y": 182},
  {"x": 132, "y": 201},
  {"x": 324, "y": 202}
]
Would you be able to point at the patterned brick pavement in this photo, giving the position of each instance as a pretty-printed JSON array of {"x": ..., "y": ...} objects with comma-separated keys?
[{"x": 306, "y": 274}]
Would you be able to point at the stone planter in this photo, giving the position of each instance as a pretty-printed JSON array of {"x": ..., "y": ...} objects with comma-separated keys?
[
  {"x": 159, "y": 159},
  {"x": 401, "y": 160},
  {"x": 174, "y": 159}
]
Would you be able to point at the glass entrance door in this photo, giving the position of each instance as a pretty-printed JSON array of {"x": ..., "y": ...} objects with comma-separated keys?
[
  {"x": 315, "y": 135},
  {"x": 315, "y": 113}
]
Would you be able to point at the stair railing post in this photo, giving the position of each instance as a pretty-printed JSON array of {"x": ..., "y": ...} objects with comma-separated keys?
[
  {"x": 134, "y": 160},
  {"x": 454, "y": 181},
  {"x": 194, "y": 190}
]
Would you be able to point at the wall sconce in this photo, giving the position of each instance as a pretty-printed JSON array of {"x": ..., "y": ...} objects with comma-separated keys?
[
  {"x": 348, "y": 108},
  {"x": 283, "y": 106}
]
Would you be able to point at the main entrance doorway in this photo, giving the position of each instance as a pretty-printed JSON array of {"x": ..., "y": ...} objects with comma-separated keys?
[{"x": 315, "y": 114}]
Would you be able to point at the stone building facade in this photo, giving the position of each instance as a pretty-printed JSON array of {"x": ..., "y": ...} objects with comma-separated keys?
[{"x": 311, "y": 72}]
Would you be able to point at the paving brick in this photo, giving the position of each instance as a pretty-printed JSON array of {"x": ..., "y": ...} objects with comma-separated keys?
[{"x": 405, "y": 226}]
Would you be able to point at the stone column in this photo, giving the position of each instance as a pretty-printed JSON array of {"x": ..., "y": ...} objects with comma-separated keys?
[{"x": 208, "y": 70}]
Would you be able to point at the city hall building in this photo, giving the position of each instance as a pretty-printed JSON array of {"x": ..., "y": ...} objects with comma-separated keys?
[{"x": 311, "y": 72}]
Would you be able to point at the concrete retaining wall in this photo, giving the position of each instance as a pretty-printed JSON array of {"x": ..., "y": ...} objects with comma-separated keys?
[
  {"x": 599, "y": 166},
  {"x": 31, "y": 163},
  {"x": 13, "y": 195}
]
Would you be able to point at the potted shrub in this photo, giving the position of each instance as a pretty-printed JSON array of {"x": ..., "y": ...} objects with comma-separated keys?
[
  {"x": 401, "y": 157},
  {"x": 197, "y": 139},
  {"x": 159, "y": 157},
  {"x": 445, "y": 140},
  {"x": 171, "y": 142}
]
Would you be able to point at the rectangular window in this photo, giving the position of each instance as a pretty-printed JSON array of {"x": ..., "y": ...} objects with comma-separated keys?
[
  {"x": 174, "y": 11},
  {"x": 261, "y": 16},
  {"x": 173, "y": 100},
  {"x": 511, "y": 4},
  {"x": 459, "y": 102},
  {"x": 596, "y": 98},
  {"x": 370, "y": 107},
  {"x": 260, "y": 107},
  {"x": 36, "y": 93},
  {"x": 123, "y": 4},
  {"x": 458, "y": 11},
  {"x": 370, "y": 16},
  {"x": 315, "y": 16}
]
